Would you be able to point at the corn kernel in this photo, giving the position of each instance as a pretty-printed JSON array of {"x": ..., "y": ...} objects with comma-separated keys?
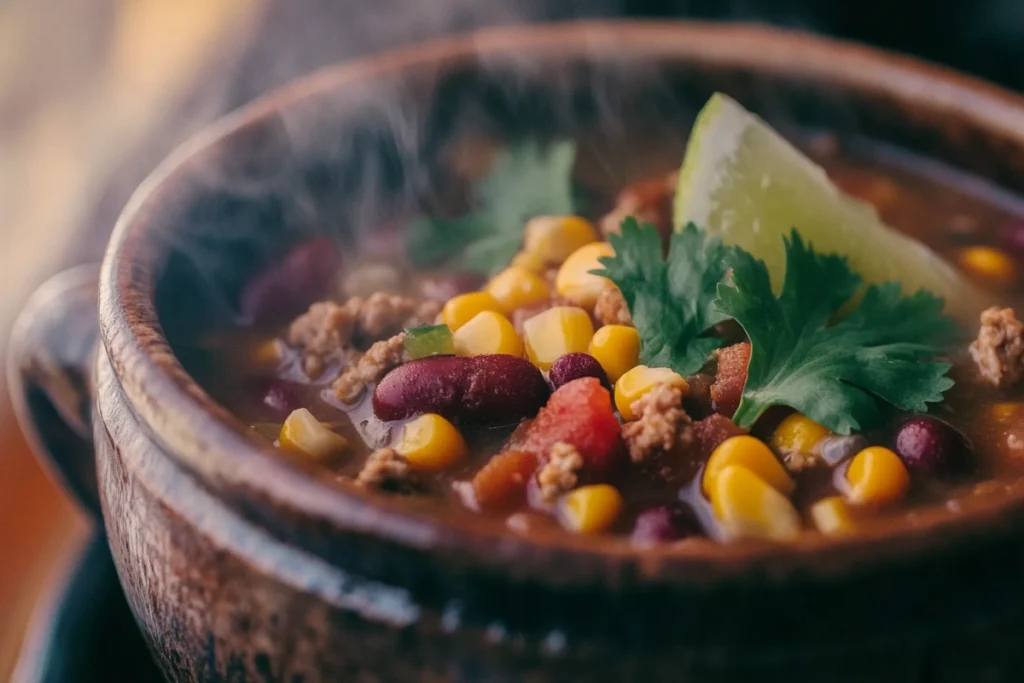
[
  {"x": 590, "y": 509},
  {"x": 877, "y": 476},
  {"x": 555, "y": 332},
  {"x": 833, "y": 516},
  {"x": 747, "y": 506},
  {"x": 751, "y": 453},
  {"x": 266, "y": 354},
  {"x": 798, "y": 434},
  {"x": 575, "y": 282},
  {"x": 554, "y": 238},
  {"x": 487, "y": 332},
  {"x": 431, "y": 443},
  {"x": 633, "y": 384},
  {"x": 517, "y": 287},
  {"x": 617, "y": 349},
  {"x": 303, "y": 433},
  {"x": 989, "y": 263},
  {"x": 530, "y": 261},
  {"x": 462, "y": 308},
  {"x": 1005, "y": 411}
]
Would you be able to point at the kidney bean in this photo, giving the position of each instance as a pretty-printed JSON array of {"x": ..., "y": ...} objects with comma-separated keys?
[
  {"x": 930, "y": 446},
  {"x": 663, "y": 523},
  {"x": 491, "y": 389},
  {"x": 444, "y": 287},
  {"x": 575, "y": 365},
  {"x": 271, "y": 399},
  {"x": 288, "y": 286}
]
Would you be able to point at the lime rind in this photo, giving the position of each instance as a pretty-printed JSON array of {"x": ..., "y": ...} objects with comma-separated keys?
[{"x": 744, "y": 181}]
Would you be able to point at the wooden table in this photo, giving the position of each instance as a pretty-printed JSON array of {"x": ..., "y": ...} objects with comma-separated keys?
[{"x": 39, "y": 530}]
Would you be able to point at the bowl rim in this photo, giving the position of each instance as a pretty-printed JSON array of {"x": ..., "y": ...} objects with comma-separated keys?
[{"x": 204, "y": 437}]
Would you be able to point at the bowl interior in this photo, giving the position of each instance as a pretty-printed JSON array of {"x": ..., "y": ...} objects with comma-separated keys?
[{"x": 359, "y": 146}]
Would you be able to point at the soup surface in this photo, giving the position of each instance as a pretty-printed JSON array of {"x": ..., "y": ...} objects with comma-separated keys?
[{"x": 506, "y": 379}]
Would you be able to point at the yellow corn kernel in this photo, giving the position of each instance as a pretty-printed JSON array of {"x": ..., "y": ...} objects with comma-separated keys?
[
  {"x": 431, "y": 443},
  {"x": 989, "y": 263},
  {"x": 554, "y": 238},
  {"x": 833, "y": 516},
  {"x": 590, "y": 509},
  {"x": 487, "y": 332},
  {"x": 462, "y": 308},
  {"x": 555, "y": 332},
  {"x": 517, "y": 287},
  {"x": 633, "y": 384},
  {"x": 575, "y": 282},
  {"x": 797, "y": 434},
  {"x": 532, "y": 262},
  {"x": 1004, "y": 411},
  {"x": 747, "y": 506},
  {"x": 266, "y": 354},
  {"x": 877, "y": 476},
  {"x": 751, "y": 453},
  {"x": 303, "y": 433},
  {"x": 617, "y": 349}
]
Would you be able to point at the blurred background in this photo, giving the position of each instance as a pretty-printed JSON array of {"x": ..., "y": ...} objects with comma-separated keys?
[{"x": 94, "y": 93}]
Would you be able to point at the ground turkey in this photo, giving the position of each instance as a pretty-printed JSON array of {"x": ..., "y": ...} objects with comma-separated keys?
[
  {"x": 999, "y": 349},
  {"x": 663, "y": 425}
]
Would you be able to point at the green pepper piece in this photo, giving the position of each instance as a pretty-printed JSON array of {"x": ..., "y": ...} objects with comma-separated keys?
[{"x": 428, "y": 340}]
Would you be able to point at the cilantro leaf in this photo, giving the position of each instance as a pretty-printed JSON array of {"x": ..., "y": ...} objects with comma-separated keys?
[
  {"x": 671, "y": 301},
  {"x": 525, "y": 181},
  {"x": 834, "y": 373}
]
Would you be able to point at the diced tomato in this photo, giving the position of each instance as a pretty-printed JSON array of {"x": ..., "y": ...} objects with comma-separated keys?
[
  {"x": 713, "y": 430},
  {"x": 501, "y": 483},
  {"x": 727, "y": 390},
  {"x": 579, "y": 413}
]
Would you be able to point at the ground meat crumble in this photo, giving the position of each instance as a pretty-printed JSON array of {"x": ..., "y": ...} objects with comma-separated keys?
[
  {"x": 382, "y": 315},
  {"x": 322, "y": 331},
  {"x": 384, "y": 468},
  {"x": 560, "y": 473},
  {"x": 999, "y": 349},
  {"x": 379, "y": 360},
  {"x": 611, "y": 308},
  {"x": 328, "y": 327},
  {"x": 649, "y": 201},
  {"x": 663, "y": 424}
]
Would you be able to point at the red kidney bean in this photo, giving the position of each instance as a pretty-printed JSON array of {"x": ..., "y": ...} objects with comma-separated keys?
[
  {"x": 269, "y": 399},
  {"x": 280, "y": 398},
  {"x": 491, "y": 389},
  {"x": 663, "y": 523},
  {"x": 444, "y": 287},
  {"x": 288, "y": 286},
  {"x": 931, "y": 447},
  {"x": 575, "y": 365}
]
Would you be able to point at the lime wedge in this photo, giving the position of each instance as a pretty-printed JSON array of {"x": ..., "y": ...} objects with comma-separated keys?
[{"x": 742, "y": 180}]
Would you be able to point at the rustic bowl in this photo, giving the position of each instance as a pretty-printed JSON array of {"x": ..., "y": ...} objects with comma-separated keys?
[{"x": 240, "y": 566}]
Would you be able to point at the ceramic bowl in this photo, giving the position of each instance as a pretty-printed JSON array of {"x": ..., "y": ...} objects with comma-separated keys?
[{"x": 241, "y": 566}]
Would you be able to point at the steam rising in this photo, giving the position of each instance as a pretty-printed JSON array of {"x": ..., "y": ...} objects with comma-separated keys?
[{"x": 346, "y": 162}]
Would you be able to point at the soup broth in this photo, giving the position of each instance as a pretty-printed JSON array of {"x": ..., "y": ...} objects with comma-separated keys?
[{"x": 266, "y": 370}]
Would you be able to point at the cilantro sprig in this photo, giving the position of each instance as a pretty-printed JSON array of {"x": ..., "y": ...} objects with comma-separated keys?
[
  {"x": 671, "y": 300},
  {"x": 834, "y": 372},
  {"x": 525, "y": 181}
]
